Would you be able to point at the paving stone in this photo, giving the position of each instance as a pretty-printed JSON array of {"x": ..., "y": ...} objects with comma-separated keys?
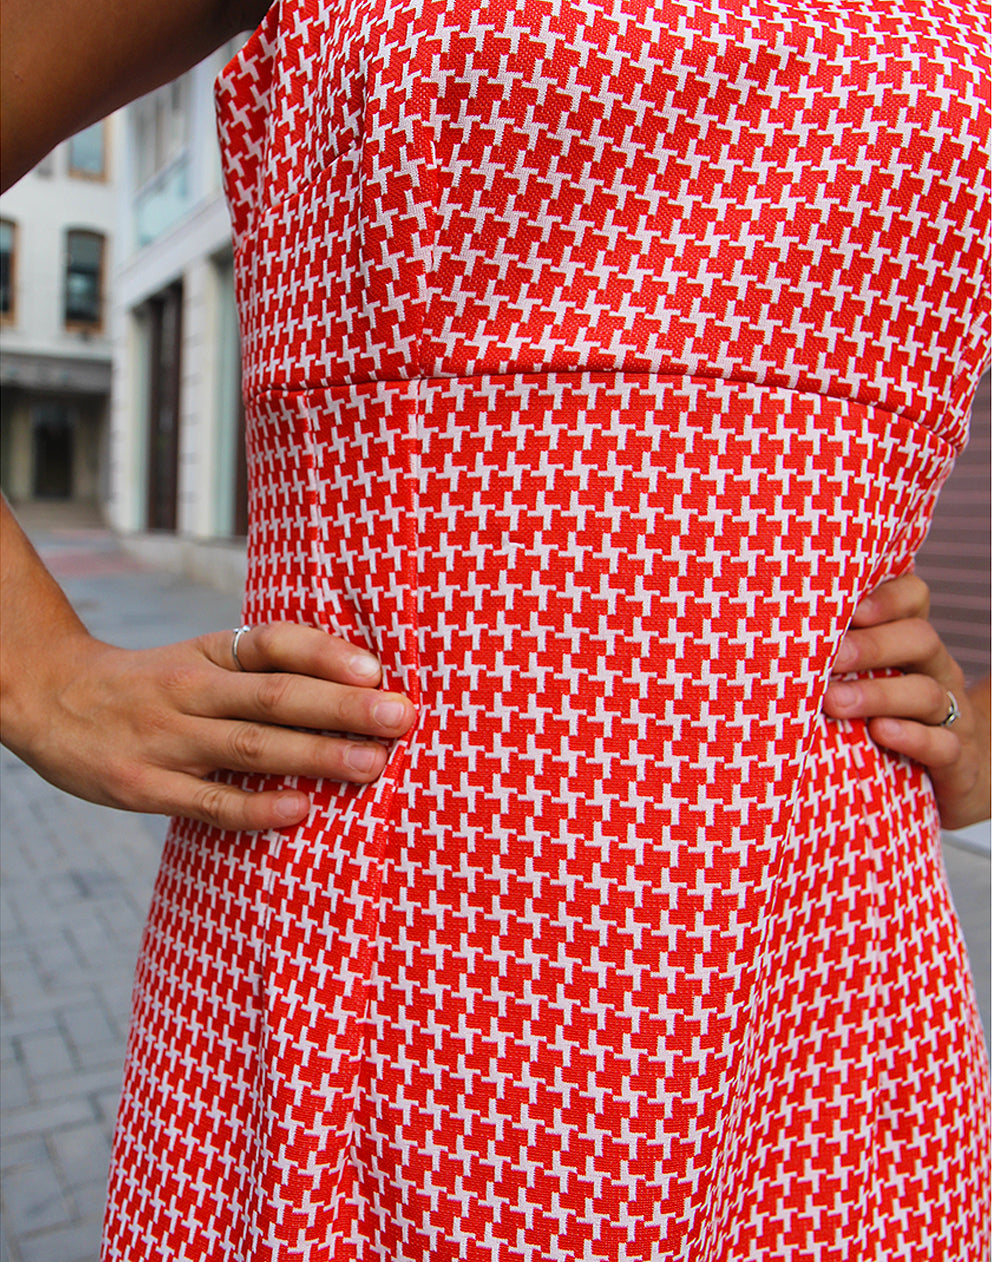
[
  {"x": 29, "y": 1151},
  {"x": 55, "y": 958},
  {"x": 82, "y": 1154},
  {"x": 106, "y": 1105},
  {"x": 45, "y": 1055},
  {"x": 43, "y": 1118},
  {"x": 15, "y": 1090},
  {"x": 78, "y": 1243},
  {"x": 90, "y": 934},
  {"x": 33, "y": 1199},
  {"x": 89, "y": 1199},
  {"x": 20, "y": 981},
  {"x": 93, "y": 1084},
  {"x": 37, "y": 1012},
  {"x": 97, "y": 1056},
  {"x": 86, "y": 1025},
  {"x": 115, "y": 995}
]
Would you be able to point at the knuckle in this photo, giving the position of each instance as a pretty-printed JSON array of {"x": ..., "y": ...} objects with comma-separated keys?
[
  {"x": 324, "y": 756},
  {"x": 946, "y": 751},
  {"x": 264, "y": 638},
  {"x": 151, "y": 723},
  {"x": 181, "y": 681},
  {"x": 203, "y": 644},
  {"x": 248, "y": 743},
  {"x": 127, "y": 784},
  {"x": 938, "y": 703},
  {"x": 271, "y": 694},
  {"x": 927, "y": 636},
  {"x": 209, "y": 802},
  {"x": 918, "y": 595},
  {"x": 870, "y": 646}
]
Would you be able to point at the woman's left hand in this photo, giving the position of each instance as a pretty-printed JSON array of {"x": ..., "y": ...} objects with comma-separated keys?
[{"x": 907, "y": 712}]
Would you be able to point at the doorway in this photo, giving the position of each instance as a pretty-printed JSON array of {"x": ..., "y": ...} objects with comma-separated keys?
[
  {"x": 164, "y": 313},
  {"x": 52, "y": 450}
]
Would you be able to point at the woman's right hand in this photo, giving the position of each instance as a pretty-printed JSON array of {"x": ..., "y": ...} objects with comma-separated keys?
[
  {"x": 907, "y": 707},
  {"x": 141, "y": 730}
]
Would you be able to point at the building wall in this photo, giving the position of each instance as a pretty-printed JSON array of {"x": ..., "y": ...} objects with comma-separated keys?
[
  {"x": 176, "y": 235},
  {"x": 956, "y": 560},
  {"x": 49, "y": 366},
  {"x": 44, "y": 204}
]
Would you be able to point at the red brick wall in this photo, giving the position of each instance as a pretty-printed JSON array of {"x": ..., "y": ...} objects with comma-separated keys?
[{"x": 957, "y": 556}]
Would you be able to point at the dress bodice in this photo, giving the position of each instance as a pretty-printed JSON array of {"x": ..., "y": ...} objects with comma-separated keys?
[{"x": 790, "y": 194}]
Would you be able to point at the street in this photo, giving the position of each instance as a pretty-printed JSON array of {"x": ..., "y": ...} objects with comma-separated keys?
[{"x": 77, "y": 879}]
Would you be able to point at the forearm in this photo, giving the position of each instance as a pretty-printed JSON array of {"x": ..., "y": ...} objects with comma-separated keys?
[
  {"x": 67, "y": 63},
  {"x": 36, "y": 623}
]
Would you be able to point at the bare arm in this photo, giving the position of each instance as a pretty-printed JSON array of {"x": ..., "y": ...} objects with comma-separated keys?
[{"x": 67, "y": 63}]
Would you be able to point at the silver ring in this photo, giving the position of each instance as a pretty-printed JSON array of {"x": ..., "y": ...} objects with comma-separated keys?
[
  {"x": 238, "y": 633},
  {"x": 954, "y": 713}
]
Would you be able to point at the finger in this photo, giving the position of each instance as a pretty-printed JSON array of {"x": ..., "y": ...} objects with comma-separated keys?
[
  {"x": 917, "y": 697},
  {"x": 224, "y": 806},
  {"x": 293, "y": 701},
  {"x": 904, "y": 597},
  {"x": 909, "y": 643},
  {"x": 934, "y": 747},
  {"x": 280, "y": 751},
  {"x": 293, "y": 648}
]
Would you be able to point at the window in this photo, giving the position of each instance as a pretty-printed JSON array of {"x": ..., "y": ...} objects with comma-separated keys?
[
  {"x": 161, "y": 122},
  {"x": 163, "y": 169},
  {"x": 84, "y": 280},
  {"x": 87, "y": 153},
  {"x": 8, "y": 242}
]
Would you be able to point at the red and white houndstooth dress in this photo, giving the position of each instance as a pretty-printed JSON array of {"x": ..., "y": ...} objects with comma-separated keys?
[{"x": 600, "y": 355}]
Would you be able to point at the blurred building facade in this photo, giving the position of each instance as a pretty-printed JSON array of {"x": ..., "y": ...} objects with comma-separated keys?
[
  {"x": 956, "y": 559},
  {"x": 177, "y": 471},
  {"x": 57, "y": 254}
]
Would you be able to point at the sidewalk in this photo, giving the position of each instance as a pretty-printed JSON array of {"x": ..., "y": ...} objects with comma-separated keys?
[{"x": 77, "y": 880}]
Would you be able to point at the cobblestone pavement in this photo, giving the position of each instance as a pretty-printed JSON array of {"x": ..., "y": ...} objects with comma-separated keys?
[{"x": 77, "y": 880}]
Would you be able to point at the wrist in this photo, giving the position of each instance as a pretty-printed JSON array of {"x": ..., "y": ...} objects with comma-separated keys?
[{"x": 33, "y": 676}]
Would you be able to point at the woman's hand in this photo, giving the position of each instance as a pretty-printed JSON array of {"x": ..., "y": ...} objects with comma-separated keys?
[
  {"x": 140, "y": 730},
  {"x": 906, "y": 712}
]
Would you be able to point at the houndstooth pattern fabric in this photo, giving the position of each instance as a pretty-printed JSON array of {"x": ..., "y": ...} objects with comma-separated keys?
[{"x": 599, "y": 357}]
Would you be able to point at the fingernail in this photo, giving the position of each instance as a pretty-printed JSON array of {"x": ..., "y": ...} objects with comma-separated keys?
[
  {"x": 846, "y": 655},
  {"x": 389, "y": 713},
  {"x": 366, "y": 665},
  {"x": 291, "y": 807},
  {"x": 361, "y": 757},
  {"x": 845, "y": 695}
]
